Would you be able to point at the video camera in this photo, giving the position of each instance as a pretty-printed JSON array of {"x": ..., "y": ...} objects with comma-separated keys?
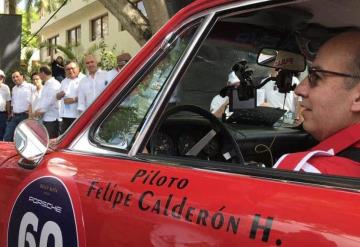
[
  {"x": 242, "y": 91},
  {"x": 240, "y": 88}
]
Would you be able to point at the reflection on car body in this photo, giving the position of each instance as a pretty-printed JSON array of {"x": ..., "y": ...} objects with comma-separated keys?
[{"x": 148, "y": 165}]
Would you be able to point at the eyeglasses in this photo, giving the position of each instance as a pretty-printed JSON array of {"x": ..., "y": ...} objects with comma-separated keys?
[
  {"x": 122, "y": 63},
  {"x": 314, "y": 75}
]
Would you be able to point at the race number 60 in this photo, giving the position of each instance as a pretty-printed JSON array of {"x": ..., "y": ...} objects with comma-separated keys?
[{"x": 49, "y": 228}]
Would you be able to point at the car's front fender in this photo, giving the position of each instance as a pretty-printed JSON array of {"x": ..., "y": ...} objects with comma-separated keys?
[{"x": 7, "y": 150}]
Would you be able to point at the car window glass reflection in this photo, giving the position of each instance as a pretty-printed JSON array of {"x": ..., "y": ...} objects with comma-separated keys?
[{"x": 120, "y": 127}]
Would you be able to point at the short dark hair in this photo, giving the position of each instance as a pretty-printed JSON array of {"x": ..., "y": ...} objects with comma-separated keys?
[
  {"x": 19, "y": 71},
  {"x": 45, "y": 69},
  {"x": 32, "y": 75}
]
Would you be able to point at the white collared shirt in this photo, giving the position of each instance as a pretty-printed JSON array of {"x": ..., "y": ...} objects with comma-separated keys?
[
  {"x": 276, "y": 99},
  {"x": 21, "y": 97},
  {"x": 35, "y": 99},
  {"x": 4, "y": 96},
  {"x": 90, "y": 88},
  {"x": 48, "y": 104},
  {"x": 70, "y": 87},
  {"x": 111, "y": 74}
]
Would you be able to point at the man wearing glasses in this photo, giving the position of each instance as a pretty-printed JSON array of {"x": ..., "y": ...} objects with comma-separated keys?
[
  {"x": 121, "y": 61},
  {"x": 331, "y": 101},
  {"x": 68, "y": 95}
]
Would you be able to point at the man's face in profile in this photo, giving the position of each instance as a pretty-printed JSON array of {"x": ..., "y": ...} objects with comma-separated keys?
[{"x": 327, "y": 102}]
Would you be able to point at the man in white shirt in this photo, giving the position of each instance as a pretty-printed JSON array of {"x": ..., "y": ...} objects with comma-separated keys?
[
  {"x": 5, "y": 99},
  {"x": 220, "y": 105},
  {"x": 274, "y": 98},
  {"x": 92, "y": 85},
  {"x": 20, "y": 103},
  {"x": 68, "y": 95},
  {"x": 48, "y": 105},
  {"x": 121, "y": 61},
  {"x": 37, "y": 82},
  {"x": 288, "y": 101}
]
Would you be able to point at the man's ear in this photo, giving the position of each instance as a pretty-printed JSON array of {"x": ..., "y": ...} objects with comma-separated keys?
[{"x": 355, "y": 106}]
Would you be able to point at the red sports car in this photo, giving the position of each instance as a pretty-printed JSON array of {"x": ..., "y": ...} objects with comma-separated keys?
[{"x": 148, "y": 164}]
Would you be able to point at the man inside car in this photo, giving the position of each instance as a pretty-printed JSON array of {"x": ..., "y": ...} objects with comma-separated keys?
[{"x": 331, "y": 100}]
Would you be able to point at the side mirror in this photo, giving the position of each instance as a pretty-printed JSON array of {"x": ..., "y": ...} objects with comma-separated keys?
[
  {"x": 31, "y": 141},
  {"x": 280, "y": 59}
]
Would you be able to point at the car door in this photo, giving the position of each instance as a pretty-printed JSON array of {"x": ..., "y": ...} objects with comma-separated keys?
[
  {"x": 165, "y": 201},
  {"x": 109, "y": 188}
]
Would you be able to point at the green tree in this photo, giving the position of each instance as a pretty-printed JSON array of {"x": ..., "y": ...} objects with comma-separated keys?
[
  {"x": 44, "y": 6},
  {"x": 41, "y": 6},
  {"x": 142, "y": 26},
  {"x": 27, "y": 18}
]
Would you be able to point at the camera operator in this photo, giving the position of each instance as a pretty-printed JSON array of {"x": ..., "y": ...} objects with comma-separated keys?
[
  {"x": 276, "y": 99},
  {"x": 239, "y": 77},
  {"x": 220, "y": 104}
]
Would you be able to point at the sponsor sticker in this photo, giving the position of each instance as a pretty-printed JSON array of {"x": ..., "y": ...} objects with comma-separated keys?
[{"x": 43, "y": 215}]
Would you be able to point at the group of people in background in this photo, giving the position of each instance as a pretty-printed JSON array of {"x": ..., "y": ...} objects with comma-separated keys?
[{"x": 57, "y": 95}]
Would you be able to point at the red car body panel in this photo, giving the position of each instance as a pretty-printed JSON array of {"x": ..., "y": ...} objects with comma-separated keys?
[
  {"x": 150, "y": 215},
  {"x": 130, "y": 202}
]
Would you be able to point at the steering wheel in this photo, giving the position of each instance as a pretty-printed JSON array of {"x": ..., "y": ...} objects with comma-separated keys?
[{"x": 233, "y": 152}]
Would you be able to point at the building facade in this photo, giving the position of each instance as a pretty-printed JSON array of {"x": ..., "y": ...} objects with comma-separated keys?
[{"x": 83, "y": 23}]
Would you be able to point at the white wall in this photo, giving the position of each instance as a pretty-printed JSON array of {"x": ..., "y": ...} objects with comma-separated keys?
[{"x": 80, "y": 12}]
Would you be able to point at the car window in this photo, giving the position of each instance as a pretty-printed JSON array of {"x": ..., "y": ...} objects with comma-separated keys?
[
  {"x": 120, "y": 127},
  {"x": 262, "y": 133}
]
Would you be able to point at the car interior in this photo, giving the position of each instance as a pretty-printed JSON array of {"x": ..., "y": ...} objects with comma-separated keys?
[{"x": 252, "y": 42}]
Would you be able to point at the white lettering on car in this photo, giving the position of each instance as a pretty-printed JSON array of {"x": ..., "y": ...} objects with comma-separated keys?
[
  {"x": 50, "y": 228},
  {"x": 45, "y": 204}
]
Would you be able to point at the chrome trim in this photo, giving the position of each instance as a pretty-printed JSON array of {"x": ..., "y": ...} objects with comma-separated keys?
[
  {"x": 83, "y": 144},
  {"x": 146, "y": 126},
  {"x": 166, "y": 42},
  {"x": 84, "y": 133}
]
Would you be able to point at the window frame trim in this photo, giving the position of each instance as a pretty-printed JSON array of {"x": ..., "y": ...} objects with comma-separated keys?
[
  {"x": 100, "y": 17},
  {"x": 148, "y": 125},
  {"x": 50, "y": 49},
  {"x": 134, "y": 82},
  {"x": 77, "y": 39}
]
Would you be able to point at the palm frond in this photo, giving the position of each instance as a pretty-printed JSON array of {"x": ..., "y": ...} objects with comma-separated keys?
[
  {"x": 95, "y": 47},
  {"x": 28, "y": 54},
  {"x": 67, "y": 51}
]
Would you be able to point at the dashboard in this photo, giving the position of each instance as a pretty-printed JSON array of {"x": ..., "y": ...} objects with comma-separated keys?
[
  {"x": 176, "y": 138},
  {"x": 260, "y": 144}
]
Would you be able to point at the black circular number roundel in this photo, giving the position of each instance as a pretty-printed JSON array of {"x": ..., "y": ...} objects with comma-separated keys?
[{"x": 43, "y": 215}]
